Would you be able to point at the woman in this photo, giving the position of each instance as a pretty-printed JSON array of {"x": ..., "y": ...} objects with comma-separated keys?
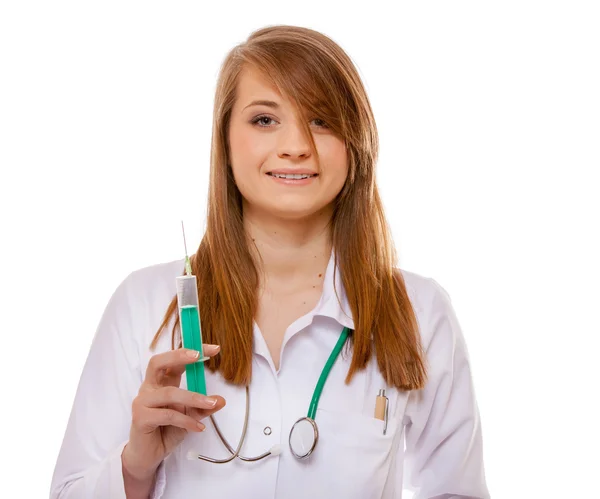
[{"x": 296, "y": 251}]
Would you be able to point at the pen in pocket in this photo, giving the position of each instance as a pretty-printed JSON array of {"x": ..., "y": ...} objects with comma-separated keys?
[{"x": 381, "y": 408}]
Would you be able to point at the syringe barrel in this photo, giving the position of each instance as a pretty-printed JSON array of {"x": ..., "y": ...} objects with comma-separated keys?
[
  {"x": 187, "y": 291},
  {"x": 191, "y": 332}
]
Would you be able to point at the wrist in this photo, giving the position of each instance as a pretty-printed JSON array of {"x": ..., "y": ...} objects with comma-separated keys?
[{"x": 135, "y": 472}]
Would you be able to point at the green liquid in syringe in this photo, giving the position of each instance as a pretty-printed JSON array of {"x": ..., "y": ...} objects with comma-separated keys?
[{"x": 190, "y": 327}]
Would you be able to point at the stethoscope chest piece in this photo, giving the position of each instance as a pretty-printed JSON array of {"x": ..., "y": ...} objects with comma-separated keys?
[{"x": 303, "y": 437}]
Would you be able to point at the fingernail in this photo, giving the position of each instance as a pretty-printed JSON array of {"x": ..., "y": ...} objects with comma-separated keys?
[
  {"x": 213, "y": 348},
  {"x": 211, "y": 401},
  {"x": 194, "y": 354},
  {"x": 201, "y": 426}
]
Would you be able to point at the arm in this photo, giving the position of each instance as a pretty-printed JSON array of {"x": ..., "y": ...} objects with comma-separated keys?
[
  {"x": 136, "y": 488},
  {"x": 89, "y": 464},
  {"x": 444, "y": 451}
]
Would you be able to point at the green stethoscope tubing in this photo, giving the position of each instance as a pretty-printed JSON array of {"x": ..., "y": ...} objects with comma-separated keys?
[{"x": 312, "y": 409}]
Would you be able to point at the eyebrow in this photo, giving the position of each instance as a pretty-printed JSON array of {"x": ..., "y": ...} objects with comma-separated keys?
[{"x": 268, "y": 103}]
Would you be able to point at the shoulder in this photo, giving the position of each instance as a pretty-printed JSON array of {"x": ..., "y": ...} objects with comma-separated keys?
[
  {"x": 144, "y": 296},
  {"x": 151, "y": 288},
  {"x": 422, "y": 290},
  {"x": 152, "y": 276},
  {"x": 431, "y": 303}
]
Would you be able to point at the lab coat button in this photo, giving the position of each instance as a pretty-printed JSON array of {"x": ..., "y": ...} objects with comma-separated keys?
[{"x": 267, "y": 430}]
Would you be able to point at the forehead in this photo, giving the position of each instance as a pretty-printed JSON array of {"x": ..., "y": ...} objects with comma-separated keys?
[
  {"x": 251, "y": 78},
  {"x": 253, "y": 85}
]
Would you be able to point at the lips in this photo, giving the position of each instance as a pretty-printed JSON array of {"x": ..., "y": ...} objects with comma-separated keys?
[
  {"x": 293, "y": 171},
  {"x": 296, "y": 180},
  {"x": 279, "y": 174}
]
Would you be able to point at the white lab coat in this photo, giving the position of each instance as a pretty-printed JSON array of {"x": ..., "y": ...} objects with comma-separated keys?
[{"x": 432, "y": 447}]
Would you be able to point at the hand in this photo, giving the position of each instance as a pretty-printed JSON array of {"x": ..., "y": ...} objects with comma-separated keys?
[{"x": 163, "y": 413}]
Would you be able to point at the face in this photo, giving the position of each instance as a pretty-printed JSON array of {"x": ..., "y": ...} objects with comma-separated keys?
[{"x": 267, "y": 144}]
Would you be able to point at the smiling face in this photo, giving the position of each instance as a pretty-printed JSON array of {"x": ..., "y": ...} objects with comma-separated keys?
[{"x": 267, "y": 142}]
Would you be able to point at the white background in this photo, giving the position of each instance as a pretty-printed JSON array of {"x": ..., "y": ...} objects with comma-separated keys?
[{"x": 489, "y": 120}]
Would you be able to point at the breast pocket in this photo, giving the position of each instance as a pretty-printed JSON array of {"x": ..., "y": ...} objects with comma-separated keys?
[{"x": 353, "y": 456}]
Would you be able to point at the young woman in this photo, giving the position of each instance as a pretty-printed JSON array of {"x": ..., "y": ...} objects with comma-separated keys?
[{"x": 296, "y": 256}]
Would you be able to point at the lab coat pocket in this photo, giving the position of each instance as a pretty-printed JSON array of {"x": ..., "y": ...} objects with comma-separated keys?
[{"x": 353, "y": 456}]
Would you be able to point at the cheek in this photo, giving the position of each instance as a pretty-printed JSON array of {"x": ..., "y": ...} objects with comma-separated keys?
[
  {"x": 246, "y": 148},
  {"x": 337, "y": 161},
  {"x": 247, "y": 157}
]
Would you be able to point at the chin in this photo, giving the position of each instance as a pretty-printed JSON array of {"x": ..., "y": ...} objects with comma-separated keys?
[{"x": 294, "y": 213}]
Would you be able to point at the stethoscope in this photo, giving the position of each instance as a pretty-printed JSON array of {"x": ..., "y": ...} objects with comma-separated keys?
[{"x": 304, "y": 434}]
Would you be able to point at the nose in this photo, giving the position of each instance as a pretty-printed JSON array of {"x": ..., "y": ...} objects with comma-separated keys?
[{"x": 292, "y": 143}]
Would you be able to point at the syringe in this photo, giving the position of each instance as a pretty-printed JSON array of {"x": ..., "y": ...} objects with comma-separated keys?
[{"x": 189, "y": 320}]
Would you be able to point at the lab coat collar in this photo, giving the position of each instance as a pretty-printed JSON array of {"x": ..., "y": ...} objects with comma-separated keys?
[{"x": 329, "y": 305}]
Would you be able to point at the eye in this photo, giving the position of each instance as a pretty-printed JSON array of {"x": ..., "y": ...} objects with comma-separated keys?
[
  {"x": 262, "y": 121},
  {"x": 261, "y": 118},
  {"x": 324, "y": 125}
]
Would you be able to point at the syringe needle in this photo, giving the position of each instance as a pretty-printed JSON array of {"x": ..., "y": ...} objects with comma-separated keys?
[
  {"x": 188, "y": 266},
  {"x": 184, "y": 243}
]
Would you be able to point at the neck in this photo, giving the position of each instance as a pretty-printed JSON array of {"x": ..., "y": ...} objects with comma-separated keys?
[{"x": 291, "y": 252}]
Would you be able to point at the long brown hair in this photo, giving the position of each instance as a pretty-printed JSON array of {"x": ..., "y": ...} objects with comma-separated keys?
[{"x": 320, "y": 79}]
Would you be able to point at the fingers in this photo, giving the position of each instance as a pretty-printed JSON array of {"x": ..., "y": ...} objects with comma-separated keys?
[
  {"x": 211, "y": 350},
  {"x": 170, "y": 395},
  {"x": 149, "y": 419},
  {"x": 174, "y": 361},
  {"x": 158, "y": 407},
  {"x": 200, "y": 413}
]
